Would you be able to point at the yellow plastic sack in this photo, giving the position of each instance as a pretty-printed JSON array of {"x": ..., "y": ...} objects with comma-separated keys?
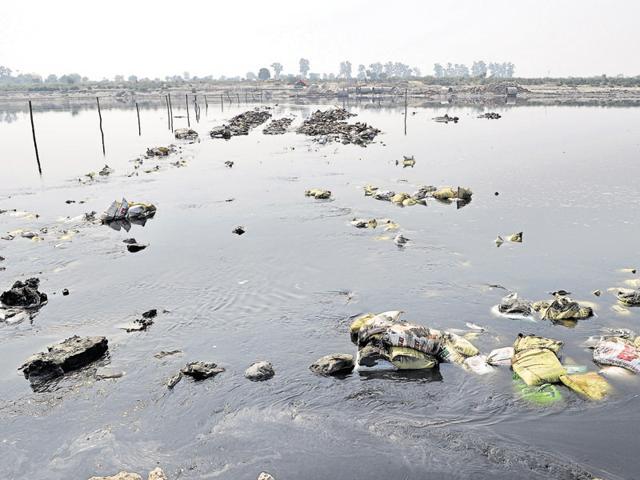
[
  {"x": 404, "y": 358},
  {"x": 462, "y": 345},
  {"x": 399, "y": 197},
  {"x": 357, "y": 324},
  {"x": 537, "y": 366},
  {"x": 590, "y": 385},
  {"x": 524, "y": 342}
]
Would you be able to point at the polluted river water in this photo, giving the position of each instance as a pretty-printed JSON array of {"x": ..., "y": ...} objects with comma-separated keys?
[{"x": 287, "y": 289}]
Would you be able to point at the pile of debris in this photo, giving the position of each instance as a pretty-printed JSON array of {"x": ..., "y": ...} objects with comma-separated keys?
[
  {"x": 160, "y": 151},
  {"x": 446, "y": 119},
  {"x": 462, "y": 195},
  {"x": 330, "y": 125},
  {"x": 241, "y": 124},
  {"x": 318, "y": 193},
  {"x": 186, "y": 134},
  {"x": 278, "y": 127}
]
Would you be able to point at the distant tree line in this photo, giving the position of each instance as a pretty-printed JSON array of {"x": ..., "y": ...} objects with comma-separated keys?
[{"x": 479, "y": 69}]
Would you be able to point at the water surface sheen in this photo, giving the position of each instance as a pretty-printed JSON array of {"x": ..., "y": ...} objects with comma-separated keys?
[{"x": 566, "y": 177}]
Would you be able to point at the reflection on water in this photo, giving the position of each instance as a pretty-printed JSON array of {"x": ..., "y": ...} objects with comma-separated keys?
[{"x": 565, "y": 176}]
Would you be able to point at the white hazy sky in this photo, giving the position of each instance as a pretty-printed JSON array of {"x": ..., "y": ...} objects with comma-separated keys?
[{"x": 156, "y": 37}]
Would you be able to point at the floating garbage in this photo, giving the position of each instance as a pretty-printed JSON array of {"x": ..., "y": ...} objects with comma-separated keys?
[
  {"x": 160, "y": 151},
  {"x": 562, "y": 308},
  {"x": 106, "y": 170},
  {"x": 336, "y": 364},
  {"x": 71, "y": 354},
  {"x": 514, "y": 307},
  {"x": 535, "y": 360},
  {"x": 490, "y": 115},
  {"x": 400, "y": 240},
  {"x": 462, "y": 195},
  {"x": 186, "y": 134},
  {"x": 407, "y": 161},
  {"x": 318, "y": 193},
  {"x": 228, "y": 164},
  {"x": 277, "y": 126},
  {"x": 446, "y": 119},
  {"x": 329, "y": 125},
  {"x": 542, "y": 395},
  {"x": 134, "y": 246},
  {"x": 589, "y": 385},
  {"x": 259, "y": 371},
  {"x": 201, "y": 370},
  {"x": 241, "y": 124},
  {"x": 239, "y": 230},
  {"x": 513, "y": 238},
  {"x": 619, "y": 352},
  {"x": 501, "y": 356},
  {"x": 128, "y": 211},
  {"x": 478, "y": 364},
  {"x": 141, "y": 324},
  {"x": 628, "y": 296}
]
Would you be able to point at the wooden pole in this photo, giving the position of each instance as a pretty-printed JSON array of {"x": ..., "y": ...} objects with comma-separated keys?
[
  {"x": 405, "y": 111},
  {"x": 206, "y": 105},
  {"x": 138, "y": 112},
  {"x": 101, "y": 131},
  {"x": 168, "y": 113},
  {"x": 35, "y": 144},
  {"x": 186, "y": 99},
  {"x": 221, "y": 102},
  {"x": 238, "y": 96},
  {"x": 171, "y": 111}
]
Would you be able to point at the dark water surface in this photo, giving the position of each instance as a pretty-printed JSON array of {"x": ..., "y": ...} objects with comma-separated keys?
[{"x": 566, "y": 176}]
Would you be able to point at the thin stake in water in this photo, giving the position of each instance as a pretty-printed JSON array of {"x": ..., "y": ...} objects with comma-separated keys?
[
  {"x": 35, "y": 144},
  {"x": 101, "y": 131},
  {"x": 138, "y": 112},
  {"x": 186, "y": 99},
  {"x": 171, "y": 111},
  {"x": 166, "y": 99}
]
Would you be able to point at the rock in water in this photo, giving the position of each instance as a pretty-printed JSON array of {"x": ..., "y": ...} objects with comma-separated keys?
[
  {"x": 259, "y": 371},
  {"x": 333, "y": 364},
  {"x": 24, "y": 294},
  {"x": 265, "y": 476},
  {"x": 120, "y": 476},
  {"x": 201, "y": 370},
  {"x": 73, "y": 353}
]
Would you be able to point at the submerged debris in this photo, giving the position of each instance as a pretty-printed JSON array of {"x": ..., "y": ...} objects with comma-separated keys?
[
  {"x": 278, "y": 126},
  {"x": 514, "y": 238},
  {"x": 400, "y": 240},
  {"x": 461, "y": 195},
  {"x": 186, "y": 134},
  {"x": 73, "y": 353},
  {"x": 106, "y": 170},
  {"x": 329, "y": 125},
  {"x": 239, "y": 230},
  {"x": 241, "y": 124},
  {"x": 128, "y": 211},
  {"x": 141, "y": 324},
  {"x": 407, "y": 161},
  {"x": 628, "y": 296},
  {"x": 160, "y": 151},
  {"x": 201, "y": 370},
  {"x": 446, "y": 119}
]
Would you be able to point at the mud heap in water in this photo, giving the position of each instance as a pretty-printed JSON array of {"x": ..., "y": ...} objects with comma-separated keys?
[{"x": 330, "y": 125}]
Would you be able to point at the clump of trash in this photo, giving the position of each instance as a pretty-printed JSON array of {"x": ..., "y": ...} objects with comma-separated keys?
[
  {"x": 93, "y": 176},
  {"x": 318, "y": 193},
  {"x": 186, "y": 134},
  {"x": 24, "y": 295},
  {"x": 386, "y": 343},
  {"x": 278, "y": 126},
  {"x": 561, "y": 310},
  {"x": 628, "y": 296},
  {"x": 619, "y": 348},
  {"x": 330, "y": 125},
  {"x": 241, "y": 124},
  {"x": 462, "y": 195},
  {"x": 124, "y": 210},
  {"x": 196, "y": 370},
  {"x": 490, "y": 115}
]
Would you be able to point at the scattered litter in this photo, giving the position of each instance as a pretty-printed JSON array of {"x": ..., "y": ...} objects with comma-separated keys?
[
  {"x": 597, "y": 293},
  {"x": 136, "y": 247},
  {"x": 364, "y": 223},
  {"x": 141, "y": 324},
  {"x": 542, "y": 395},
  {"x": 618, "y": 352},
  {"x": 239, "y": 230},
  {"x": 475, "y": 327},
  {"x": 501, "y": 356},
  {"x": 400, "y": 240},
  {"x": 562, "y": 308},
  {"x": 478, "y": 364},
  {"x": 228, "y": 164},
  {"x": 512, "y": 306},
  {"x": 535, "y": 360},
  {"x": 514, "y": 238},
  {"x": 160, "y": 151},
  {"x": 65, "y": 292},
  {"x": 407, "y": 161},
  {"x": 201, "y": 370},
  {"x": 628, "y": 296},
  {"x": 446, "y": 119}
]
